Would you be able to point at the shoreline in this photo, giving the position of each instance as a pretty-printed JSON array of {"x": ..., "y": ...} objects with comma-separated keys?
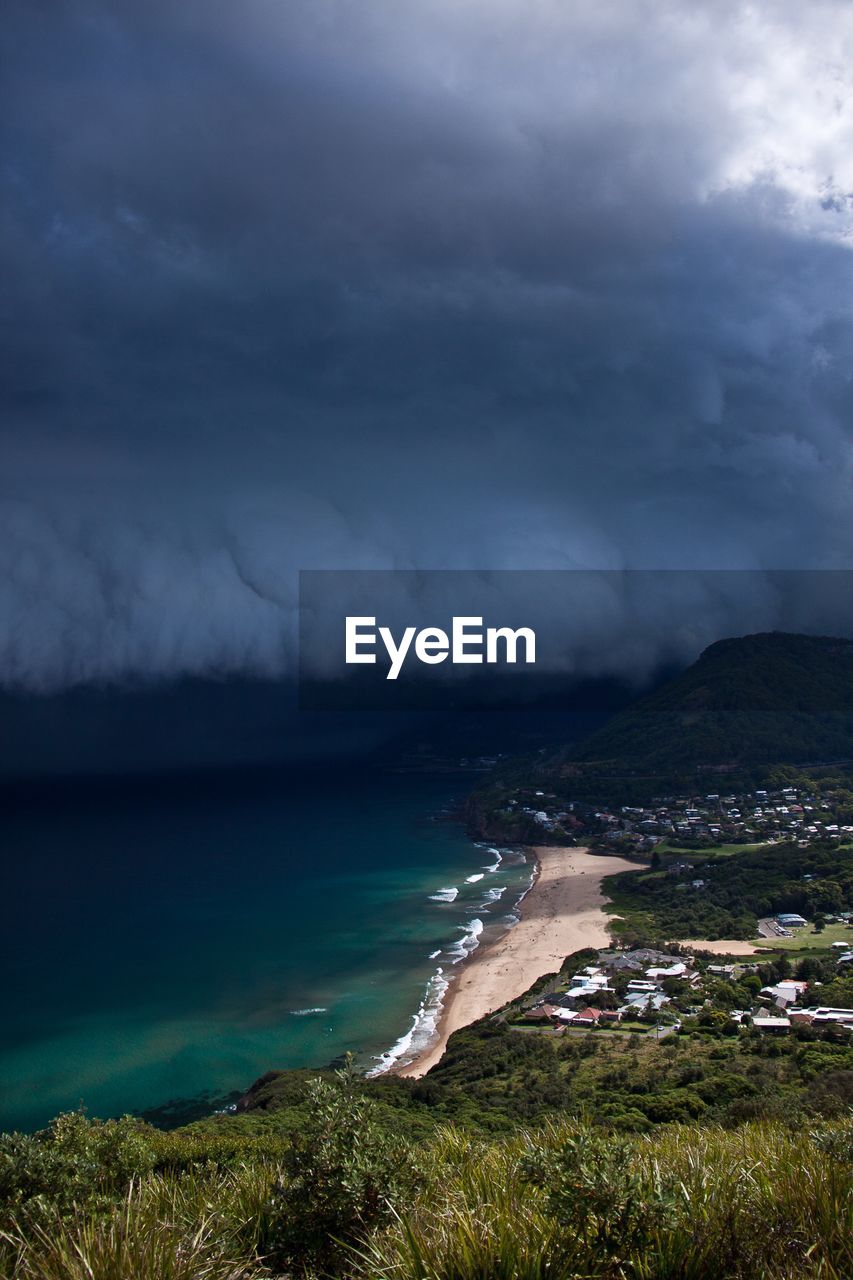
[{"x": 562, "y": 911}]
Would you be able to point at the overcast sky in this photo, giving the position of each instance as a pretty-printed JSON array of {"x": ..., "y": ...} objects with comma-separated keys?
[{"x": 449, "y": 283}]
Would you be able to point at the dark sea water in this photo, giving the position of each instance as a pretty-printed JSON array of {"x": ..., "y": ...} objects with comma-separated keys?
[{"x": 172, "y": 942}]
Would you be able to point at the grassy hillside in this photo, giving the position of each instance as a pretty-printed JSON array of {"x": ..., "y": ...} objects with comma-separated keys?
[
  {"x": 747, "y": 706},
  {"x": 762, "y": 699},
  {"x": 348, "y": 1197}
]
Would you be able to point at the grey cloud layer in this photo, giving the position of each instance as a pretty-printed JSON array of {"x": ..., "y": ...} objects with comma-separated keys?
[{"x": 442, "y": 285}]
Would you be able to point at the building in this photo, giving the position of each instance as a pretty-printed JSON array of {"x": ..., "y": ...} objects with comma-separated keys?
[
  {"x": 545, "y": 1013},
  {"x": 787, "y": 992},
  {"x": 824, "y": 1014},
  {"x": 678, "y": 970}
]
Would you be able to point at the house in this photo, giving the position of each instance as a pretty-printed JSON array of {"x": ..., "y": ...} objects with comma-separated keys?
[
  {"x": 771, "y": 1024},
  {"x": 787, "y": 992},
  {"x": 824, "y": 1014},
  {"x": 790, "y": 920},
  {"x": 587, "y": 1017},
  {"x": 646, "y": 955},
  {"x": 640, "y": 984},
  {"x": 639, "y": 1002},
  {"x": 678, "y": 970},
  {"x": 543, "y": 1014},
  {"x": 622, "y": 964},
  {"x": 589, "y": 978},
  {"x": 584, "y": 993},
  {"x": 611, "y": 1015}
]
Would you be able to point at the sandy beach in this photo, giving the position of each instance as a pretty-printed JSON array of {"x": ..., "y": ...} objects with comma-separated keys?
[{"x": 562, "y": 913}]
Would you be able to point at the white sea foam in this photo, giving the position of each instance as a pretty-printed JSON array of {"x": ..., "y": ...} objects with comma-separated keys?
[
  {"x": 303, "y": 1013},
  {"x": 515, "y": 914},
  {"x": 423, "y": 1027},
  {"x": 492, "y": 895},
  {"x": 444, "y": 895},
  {"x": 529, "y": 887},
  {"x": 469, "y": 941},
  {"x": 433, "y": 955},
  {"x": 474, "y": 879},
  {"x": 494, "y": 865}
]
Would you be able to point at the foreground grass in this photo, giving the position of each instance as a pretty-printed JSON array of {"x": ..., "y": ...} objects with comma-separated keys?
[
  {"x": 755, "y": 1204},
  {"x": 197, "y": 1225},
  {"x": 762, "y": 1202}
]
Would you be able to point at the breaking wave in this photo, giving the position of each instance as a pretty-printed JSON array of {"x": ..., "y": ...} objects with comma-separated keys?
[
  {"x": 444, "y": 895},
  {"x": 422, "y": 1030}
]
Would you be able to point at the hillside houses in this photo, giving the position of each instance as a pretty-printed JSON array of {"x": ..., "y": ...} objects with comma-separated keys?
[
  {"x": 751, "y": 817},
  {"x": 606, "y": 992},
  {"x": 656, "y": 989}
]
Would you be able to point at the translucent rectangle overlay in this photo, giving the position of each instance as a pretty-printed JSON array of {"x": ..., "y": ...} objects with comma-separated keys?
[{"x": 592, "y": 628}]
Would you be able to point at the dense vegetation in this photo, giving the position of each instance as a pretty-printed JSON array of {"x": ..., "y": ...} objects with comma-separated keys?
[
  {"x": 744, "y": 708},
  {"x": 736, "y": 891},
  {"x": 756, "y": 699},
  {"x": 348, "y": 1196}
]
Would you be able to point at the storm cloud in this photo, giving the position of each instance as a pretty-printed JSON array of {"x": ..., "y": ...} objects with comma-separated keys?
[{"x": 440, "y": 285}]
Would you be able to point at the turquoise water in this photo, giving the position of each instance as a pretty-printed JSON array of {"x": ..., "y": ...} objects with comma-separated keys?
[{"x": 174, "y": 942}]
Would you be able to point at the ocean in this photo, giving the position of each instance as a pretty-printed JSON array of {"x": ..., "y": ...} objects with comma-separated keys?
[{"x": 166, "y": 943}]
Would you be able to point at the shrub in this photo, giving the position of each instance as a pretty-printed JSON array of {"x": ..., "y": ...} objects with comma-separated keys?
[
  {"x": 597, "y": 1188},
  {"x": 74, "y": 1164},
  {"x": 341, "y": 1176}
]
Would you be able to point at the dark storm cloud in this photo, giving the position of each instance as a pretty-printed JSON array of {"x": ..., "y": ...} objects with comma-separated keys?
[{"x": 443, "y": 285}]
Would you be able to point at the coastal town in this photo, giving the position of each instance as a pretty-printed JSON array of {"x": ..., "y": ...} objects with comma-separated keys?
[
  {"x": 696, "y": 822},
  {"x": 764, "y": 875},
  {"x": 653, "y": 992}
]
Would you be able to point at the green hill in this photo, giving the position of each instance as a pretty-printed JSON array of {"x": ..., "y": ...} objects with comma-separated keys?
[{"x": 744, "y": 707}]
